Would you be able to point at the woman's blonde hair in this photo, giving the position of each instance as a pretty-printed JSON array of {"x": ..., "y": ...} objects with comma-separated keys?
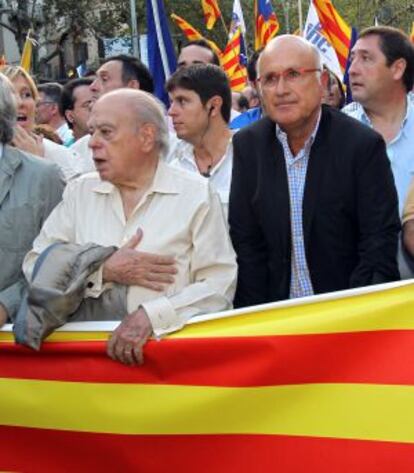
[{"x": 12, "y": 72}]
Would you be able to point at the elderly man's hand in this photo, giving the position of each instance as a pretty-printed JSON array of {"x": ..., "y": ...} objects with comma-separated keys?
[
  {"x": 135, "y": 268},
  {"x": 3, "y": 315},
  {"x": 128, "y": 339}
]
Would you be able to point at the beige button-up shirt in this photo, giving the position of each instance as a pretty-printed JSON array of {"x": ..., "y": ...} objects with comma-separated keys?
[{"x": 180, "y": 215}]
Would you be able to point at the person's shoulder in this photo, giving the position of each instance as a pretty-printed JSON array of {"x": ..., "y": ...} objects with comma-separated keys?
[
  {"x": 184, "y": 177},
  {"x": 246, "y": 118},
  {"x": 256, "y": 127},
  {"x": 87, "y": 182},
  {"x": 344, "y": 124},
  {"x": 31, "y": 163}
]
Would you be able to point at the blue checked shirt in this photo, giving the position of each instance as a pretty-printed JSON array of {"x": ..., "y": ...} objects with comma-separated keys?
[{"x": 296, "y": 167}]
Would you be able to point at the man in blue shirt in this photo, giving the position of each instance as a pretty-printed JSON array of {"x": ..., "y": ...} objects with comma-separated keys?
[{"x": 381, "y": 77}]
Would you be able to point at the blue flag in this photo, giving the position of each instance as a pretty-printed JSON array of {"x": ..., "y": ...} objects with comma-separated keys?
[
  {"x": 161, "y": 55},
  {"x": 354, "y": 37}
]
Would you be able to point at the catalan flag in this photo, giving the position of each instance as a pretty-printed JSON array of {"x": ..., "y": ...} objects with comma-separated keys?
[
  {"x": 335, "y": 29},
  {"x": 191, "y": 33},
  {"x": 211, "y": 12},
  {"x": 324, "y": 384},
  {"x": 234, "y": 57},
  {"x": 266, "y": 23}
]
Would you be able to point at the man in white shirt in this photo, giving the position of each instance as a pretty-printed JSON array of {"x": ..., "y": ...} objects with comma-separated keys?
[
  {"x": 115, "y": 73},
  {"x": 200, "y": 98},
  {"x": 48, "y": 111},
  {"x": 75, "y": 105},
  {"x": 136, "y": 191}
]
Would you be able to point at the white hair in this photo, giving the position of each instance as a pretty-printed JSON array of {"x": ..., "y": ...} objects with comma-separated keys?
[
  {"x": 8, "y": 112},
  {"x": 146, "y": 109}
]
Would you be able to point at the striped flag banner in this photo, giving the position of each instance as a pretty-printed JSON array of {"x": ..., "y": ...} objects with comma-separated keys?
[
  {"x": 211, "y": 12},
  {"x": 335, "y": 28},
  {"x": 323, "y": 384},
  {"x": 191, "y": 33}
]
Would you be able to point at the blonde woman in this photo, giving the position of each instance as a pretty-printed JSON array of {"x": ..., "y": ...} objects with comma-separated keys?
[{"x": 24, "y": 137}]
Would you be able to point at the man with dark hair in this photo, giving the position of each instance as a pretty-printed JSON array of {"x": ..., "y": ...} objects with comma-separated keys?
[
  {"x": 381, "y": 76},
  {"x": 75, "y": 105},
  {"x": 197, "y": 52},
  {"x": 200, "y": 110},
  {"x": 116, "y": 72},
  {"x": 122, "y": 71},
  {"x": 48, "y": 111}
]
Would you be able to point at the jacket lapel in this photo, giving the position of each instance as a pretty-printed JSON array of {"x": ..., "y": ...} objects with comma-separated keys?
[
  {"x": 9, "y": 162},
  {"x": 276, "y": 188},
  {"x": 314, "y": 177}
]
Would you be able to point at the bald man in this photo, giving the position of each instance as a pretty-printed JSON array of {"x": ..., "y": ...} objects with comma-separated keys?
[
  {"x": 313, "y": 206},
  {"x": 136, "y": 196}
]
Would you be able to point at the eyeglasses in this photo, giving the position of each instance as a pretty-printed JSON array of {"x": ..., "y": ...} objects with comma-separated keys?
[{"x": 290, "y": 76}]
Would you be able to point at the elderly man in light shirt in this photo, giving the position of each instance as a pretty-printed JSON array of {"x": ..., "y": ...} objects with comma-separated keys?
[{"x": 178, "y": 214}]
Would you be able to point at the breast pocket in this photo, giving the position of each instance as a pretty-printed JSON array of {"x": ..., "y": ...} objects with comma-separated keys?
[{"x": 18, "y": 227}]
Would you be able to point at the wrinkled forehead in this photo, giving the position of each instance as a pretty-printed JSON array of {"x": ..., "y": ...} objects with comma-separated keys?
[{"x": 287, "y": 55}]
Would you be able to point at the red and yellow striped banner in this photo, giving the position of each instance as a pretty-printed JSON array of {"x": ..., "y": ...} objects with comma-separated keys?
[
  {"x": 192, "y": 34},
  {"x": 325, "y": 384},
  {"x": 211, "y": 12},
  {"x": 336, "y": 30}
]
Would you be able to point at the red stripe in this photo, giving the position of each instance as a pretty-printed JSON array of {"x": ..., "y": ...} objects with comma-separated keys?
[
  {"x": 32, "y": 450},
  {"x": 385, "y": 357},
  {"x": 331, "y": 27}
]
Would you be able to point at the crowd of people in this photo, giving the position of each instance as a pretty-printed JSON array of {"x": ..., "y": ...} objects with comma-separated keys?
[{"x": 114, "y": 208}]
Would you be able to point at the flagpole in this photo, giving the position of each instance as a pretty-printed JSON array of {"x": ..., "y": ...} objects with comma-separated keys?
[
  {"x": 300, "y": 14},
  {"x": 134, "y": 28}
]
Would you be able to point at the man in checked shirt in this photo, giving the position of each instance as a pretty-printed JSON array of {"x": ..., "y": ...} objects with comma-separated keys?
[{"x": 313, "y": 206}]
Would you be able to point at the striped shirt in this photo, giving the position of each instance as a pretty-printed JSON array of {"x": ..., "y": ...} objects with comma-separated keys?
[{"x": 296, "y": 167}]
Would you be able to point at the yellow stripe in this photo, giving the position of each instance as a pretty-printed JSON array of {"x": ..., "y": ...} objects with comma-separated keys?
[
  {"x": 390, "y": 309},
  {"x": 385, "y": 310},
  {"x": 7, "y": 337},
  {"x": 353, "y": 411}
]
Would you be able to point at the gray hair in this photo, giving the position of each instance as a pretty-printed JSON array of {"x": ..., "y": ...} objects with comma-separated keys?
[
  {"x": 146, "y": 109},
  {"x": 8, "y": 111}
]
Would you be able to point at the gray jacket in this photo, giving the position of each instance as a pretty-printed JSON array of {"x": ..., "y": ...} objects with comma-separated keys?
[
  {"x": 56, "y": 294},
  {"x": 30, "y": 188}
]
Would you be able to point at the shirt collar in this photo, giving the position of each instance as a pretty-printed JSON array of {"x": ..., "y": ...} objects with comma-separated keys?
[
  {"x": 282, "y": 136},
  {"x": 409, "y": 111},
  {"x": 163, "y": 182},
  {"x": 185, "y": 152}
]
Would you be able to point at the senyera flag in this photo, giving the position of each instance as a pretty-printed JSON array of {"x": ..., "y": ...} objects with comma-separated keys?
[
  {"x": 323, "y": 384},
  {"x": 211, "y": 12},
  {"x": 335, "y": 29}
]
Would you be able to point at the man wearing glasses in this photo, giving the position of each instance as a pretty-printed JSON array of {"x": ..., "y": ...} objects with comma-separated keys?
[{"x": 313, "y": 206}]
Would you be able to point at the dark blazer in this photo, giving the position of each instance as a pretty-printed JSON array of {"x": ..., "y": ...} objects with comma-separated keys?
[{"x": 350, "y": 210}]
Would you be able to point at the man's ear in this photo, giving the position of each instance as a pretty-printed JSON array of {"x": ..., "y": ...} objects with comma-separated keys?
[
  {"x": 69, "y": 116},
  {"x": 148, "y": 136},
  {"x": 398, "y": 68},
  {"x": 325, "y": 78},
  {"x": 214, "y": 105},
  {"x": 133, "y": 84}
]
